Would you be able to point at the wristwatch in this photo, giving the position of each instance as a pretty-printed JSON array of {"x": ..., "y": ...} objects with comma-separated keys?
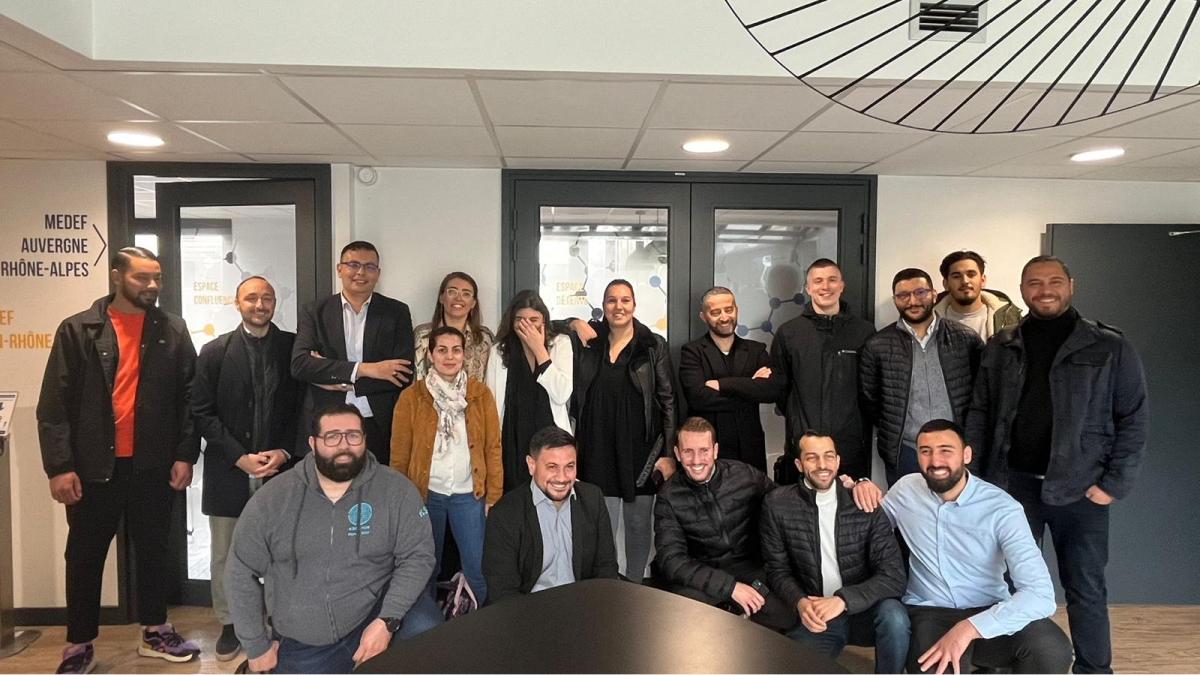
[{"x": 392, "y": 624}]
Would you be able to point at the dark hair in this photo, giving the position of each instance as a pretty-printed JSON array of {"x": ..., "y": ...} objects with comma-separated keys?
[
  {"x": 818, "y": 264},
  {"x": 910, "y": 273},
  {"x": 549, "y": 437},
  {"x": 331, "y": 411},
  {"x": 619, "y": 282},
  {"x": 238, "y": 291},
  {"x": 359, "y": 246},
  {"x": 1044, "y": 259},
  {"x": 508, "y": 343},
  {"x": 439, "y": 312},
  {"x": 696, "y": 425},
  {"x": 445, "y": 330},
  {"x": 121, "y": 260},
  {"x": 957, "y": 257},
  {"x": 814, "y": 433},
  {"x": 933, "y": 426},
  {"x": 714, "y": 291}
]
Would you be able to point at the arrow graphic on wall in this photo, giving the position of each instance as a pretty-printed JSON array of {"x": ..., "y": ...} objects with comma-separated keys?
[{"x": 102, "y": 241}]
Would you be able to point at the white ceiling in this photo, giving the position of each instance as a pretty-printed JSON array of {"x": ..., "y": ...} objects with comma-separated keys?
[{"x": 493, "y": 120}]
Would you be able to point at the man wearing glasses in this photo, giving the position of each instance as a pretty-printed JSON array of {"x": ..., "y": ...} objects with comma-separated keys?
[
  {"x": 918, "y": 369},
  {"x": 356, "y": 347},
  {"x": 345, "y": 551}
]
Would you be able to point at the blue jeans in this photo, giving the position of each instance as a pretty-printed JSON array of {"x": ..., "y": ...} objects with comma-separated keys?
[
  {"x": 906, "y": 463},
  {"x": 884, "y": 626},
  {"x": 297, "y": 657},
  {"x": 467, "y": 518}
]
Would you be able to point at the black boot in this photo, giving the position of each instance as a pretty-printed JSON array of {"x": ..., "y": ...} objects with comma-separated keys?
[{"x": 227, "y": 645}]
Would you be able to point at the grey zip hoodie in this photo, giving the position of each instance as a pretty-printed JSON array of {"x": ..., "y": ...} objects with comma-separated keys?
[{"x": 326, "y": 564}]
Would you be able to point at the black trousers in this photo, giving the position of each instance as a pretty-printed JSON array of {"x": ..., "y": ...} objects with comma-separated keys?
[
  {"x": 1039, "y": 647},
  {"x": 775, "y": 613},
  {"x": 1079, "y": 532},
  {"x": 377, "y": 442},
  {"x": 143, "y": 499}
]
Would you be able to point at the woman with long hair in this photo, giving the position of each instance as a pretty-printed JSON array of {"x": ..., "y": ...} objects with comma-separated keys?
[
  {"x": 457, "y": 306},
  {"x": 530, "y": 374}
]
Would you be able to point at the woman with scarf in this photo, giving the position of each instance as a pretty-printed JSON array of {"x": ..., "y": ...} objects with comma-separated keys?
[{"x": 446, "y": 439}]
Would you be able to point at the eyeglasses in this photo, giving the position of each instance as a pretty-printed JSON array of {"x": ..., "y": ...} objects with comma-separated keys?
[
  {"x": 355, "y": 266},
  {"x": 455, "y": 293},
  {"x": 335, "y": 437},
  {"x": 921, "y": 294}
]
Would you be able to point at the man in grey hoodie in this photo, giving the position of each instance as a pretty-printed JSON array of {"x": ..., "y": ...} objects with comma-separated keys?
[{"x": 345, "y": 550}]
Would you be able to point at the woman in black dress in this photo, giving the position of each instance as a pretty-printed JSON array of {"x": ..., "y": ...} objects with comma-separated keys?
[{"x": 625, "y": 409}]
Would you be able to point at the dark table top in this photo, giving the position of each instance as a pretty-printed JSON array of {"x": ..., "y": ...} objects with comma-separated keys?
[{"x": 600, "y": 626}]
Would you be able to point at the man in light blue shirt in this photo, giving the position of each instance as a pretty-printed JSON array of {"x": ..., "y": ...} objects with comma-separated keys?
[{"x": 963, "y": 533}]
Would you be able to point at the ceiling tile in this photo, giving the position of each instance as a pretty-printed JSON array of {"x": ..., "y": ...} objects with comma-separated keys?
[
  {"x": 386, "y": 100},
  {"x": 805, "y": 146},
  {"x": 441, "y": 162},
  {"x": 14, "y": 60},
  {"x": 1136, "y": 149},
  {"x": 77, "y": 155},
  {"x": 276, "y": 138},
  {"x": 52, "y": 96},
  {"x": 1032, "y": 171},
  {"x": 314, "y": 159},
  {"x": 563, "y": 163},
  {"x": 95, "y": 135},
  {"x": 685, "y": 164},
  {"x": 565, "y": 142},
  {"x": 805, "y": 167},
  {"x": 1186, "y": 159},
  {"x": 736, "y": 106},
  {"x": 957, "y": 154},
  {"x": 567, "y": 103},
  {"x": 1144, "y": 173},
  {"x": 17, "y": 137},
  {"x": 668, "y": 144},
  {"x": 1179, "y": 122},
  {"x": 183, "y": 156},
  {"x": 204, "y": 96},
  {"x": 427, "y": 141}
]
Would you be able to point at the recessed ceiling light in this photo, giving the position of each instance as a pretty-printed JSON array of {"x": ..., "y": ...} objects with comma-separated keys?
[
  {"x": 135, "y": 139},
  {"x": 706, "y": 145},
  {"x": 1097, "y": 155}
]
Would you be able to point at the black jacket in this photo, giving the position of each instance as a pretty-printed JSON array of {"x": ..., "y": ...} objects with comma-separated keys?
[
  {"x": 1101, "y": 412},
  {"x": 650, "y": 368},
  {"x": 512, "y": 544},
  {"x": 815, "y": 358},
  {"x": 76, "y": 426},
  {"x": 223, "y": 404},
  {"x": 701, "y": 528},
  {"x": 388, "y": 335},
  {"x": 885, "y": 374},
  {"x": 869, "y": 559},
  {"x": 734, "y": 410}
]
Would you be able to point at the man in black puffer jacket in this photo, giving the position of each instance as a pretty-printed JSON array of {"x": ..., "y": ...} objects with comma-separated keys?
[
  {"x": 706, "y": 530},
  {"x": 839, "y": 567},
  {"x": 918, "y": 369}
]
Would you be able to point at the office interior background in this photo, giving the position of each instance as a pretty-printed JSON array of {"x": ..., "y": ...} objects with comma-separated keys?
[{"x": 540, "y": 145}]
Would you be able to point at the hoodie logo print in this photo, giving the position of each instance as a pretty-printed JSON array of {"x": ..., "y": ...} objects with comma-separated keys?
[{"x": 360, "y": 515}]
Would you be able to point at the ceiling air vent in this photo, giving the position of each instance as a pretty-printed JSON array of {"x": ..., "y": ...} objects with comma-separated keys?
[{"x": 949, "y": 21}]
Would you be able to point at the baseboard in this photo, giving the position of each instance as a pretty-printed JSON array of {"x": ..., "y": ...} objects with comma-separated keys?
[{"x": 57, "y": 616}]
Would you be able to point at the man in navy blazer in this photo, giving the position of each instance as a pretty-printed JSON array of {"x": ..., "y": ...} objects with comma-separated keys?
[{"x": 355, "y": 347}]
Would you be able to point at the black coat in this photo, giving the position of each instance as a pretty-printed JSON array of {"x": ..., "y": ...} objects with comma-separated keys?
[
  {"x": 815, "y": 358},
  {"x": 223, "y": 404},
  {"x": 1101, "y": 412},
  {"x": 885, "y": 375},
  {"x": 869, "y": 559},
  {"x": 734, "y": 410},
  {"x": 651, "y": 372},
  {"x": 700, "y": 529},
  {"x": 388, "y": 335},
  {"x": 76, "y": 426},
  {"x": 512, "y": 544}
]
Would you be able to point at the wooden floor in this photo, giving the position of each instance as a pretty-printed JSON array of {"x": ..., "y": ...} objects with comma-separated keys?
[{"x": 1146, "y": 639}]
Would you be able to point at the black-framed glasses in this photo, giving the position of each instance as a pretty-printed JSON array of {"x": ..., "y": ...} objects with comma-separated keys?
[
  {"x": 335, "y": 437},
  {"x": 921, "y": 294},
  {"x": 355, "y": 266}
]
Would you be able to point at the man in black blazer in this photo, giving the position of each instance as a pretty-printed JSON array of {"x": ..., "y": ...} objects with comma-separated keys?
[
  {"x": 725, "y": 378},
  {"x": 552, "y": 532},
  {"x": 246, "y": 406},
  {"x": 355, "y": 347}
]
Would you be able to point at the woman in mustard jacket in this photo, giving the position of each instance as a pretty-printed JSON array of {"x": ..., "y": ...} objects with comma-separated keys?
[{"x": 446, "y": 439}]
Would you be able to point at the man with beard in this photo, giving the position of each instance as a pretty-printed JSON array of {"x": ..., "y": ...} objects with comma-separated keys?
[
  {"x": 554, "y": 532},
  {"x": 915, "y": 370},
  {"x": 839, "y": 567},
  {"x": 246, "y": 408},
  {"x": 815, "y": 359},
  {"x": 115, "y": 424},
  {"x": 966, "y": 301},
  {"x": 725, "y": 378},
  {"x": 1059, "y": 417},
  {"x": 345, "y": 549},
  {"x": 963, "y": 534},
  {"x": 706, "y": 530}
]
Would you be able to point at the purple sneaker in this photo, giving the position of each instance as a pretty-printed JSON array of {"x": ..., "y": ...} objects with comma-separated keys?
[
  {"x": 164, "y": 643},
  {"x": 78, "y": 659}
]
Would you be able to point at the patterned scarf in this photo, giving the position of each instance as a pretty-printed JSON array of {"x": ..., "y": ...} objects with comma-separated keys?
[{"x": 450, "y": 402}]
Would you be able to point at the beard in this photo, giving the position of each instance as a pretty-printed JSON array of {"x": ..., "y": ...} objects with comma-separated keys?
[
  {"x": 926, "y": 310},
  {"x": 144, "y": 300},
  {"x": 946, "y": 484},
  {"x": 338, "y": 472},
  {"x": 725, "y": 330},
  {"x": 965, "y": 298}
]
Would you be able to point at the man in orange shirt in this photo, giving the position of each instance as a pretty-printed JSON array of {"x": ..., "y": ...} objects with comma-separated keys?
[{"x": 115, "y": 424}]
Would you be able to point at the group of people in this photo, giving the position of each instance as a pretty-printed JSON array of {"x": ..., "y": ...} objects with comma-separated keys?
[{"x": 338, "y": 458}]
